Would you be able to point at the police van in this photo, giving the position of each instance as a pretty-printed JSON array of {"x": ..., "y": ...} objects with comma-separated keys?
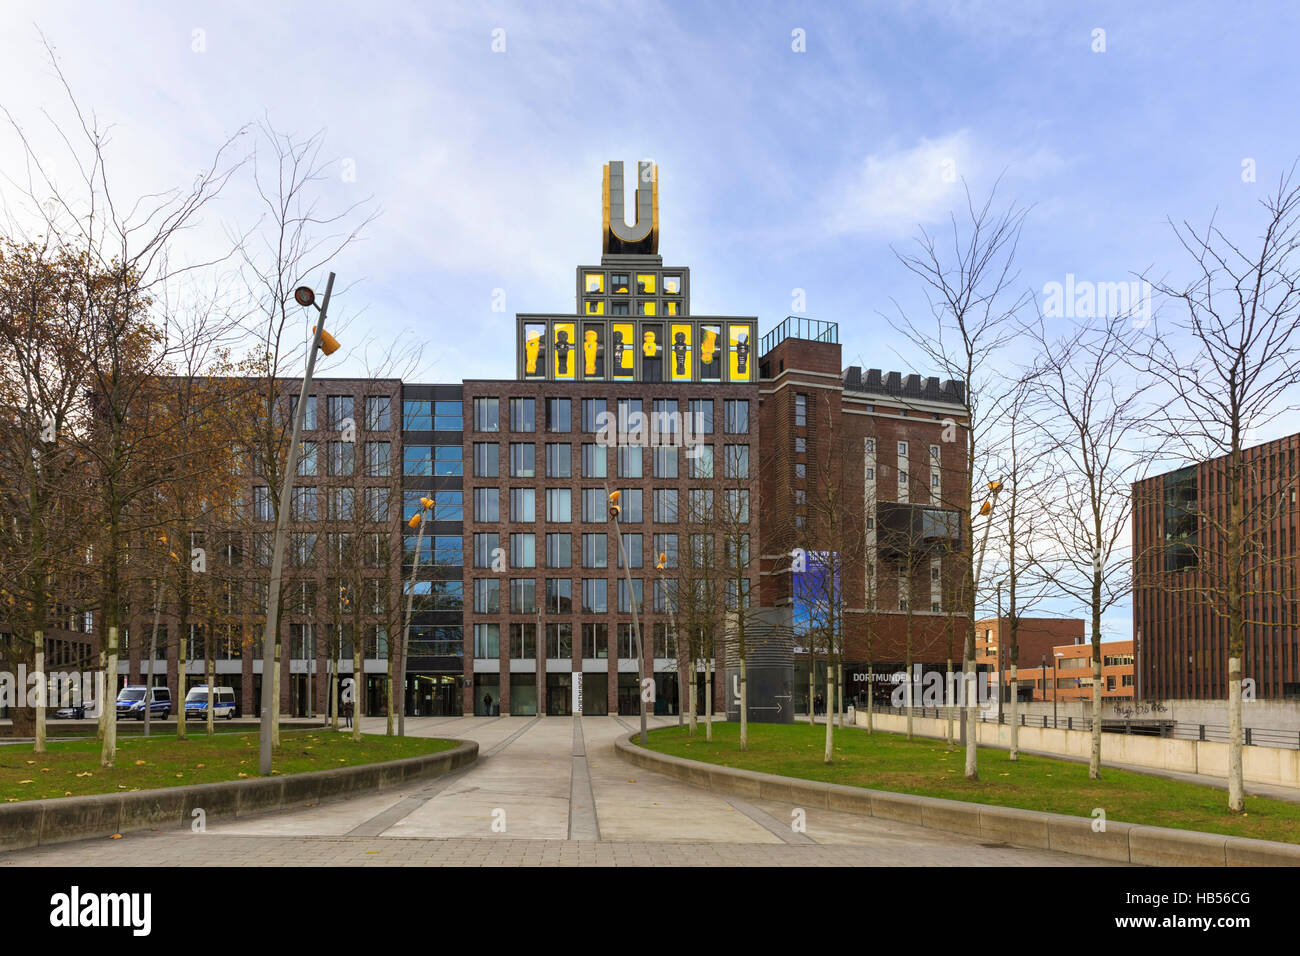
[{"x": 223, "y": 702}]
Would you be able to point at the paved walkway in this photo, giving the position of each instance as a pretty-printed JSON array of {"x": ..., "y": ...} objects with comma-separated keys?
[{"x": 546, "y": 791}]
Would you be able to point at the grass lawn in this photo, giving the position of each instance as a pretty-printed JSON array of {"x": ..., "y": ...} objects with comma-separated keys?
[
  {"x": 884, "y": 761},
  {"x": 71, "y": 768}
]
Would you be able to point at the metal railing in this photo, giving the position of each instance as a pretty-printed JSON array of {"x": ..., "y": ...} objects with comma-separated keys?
[{"x": 1180, "y": 730}]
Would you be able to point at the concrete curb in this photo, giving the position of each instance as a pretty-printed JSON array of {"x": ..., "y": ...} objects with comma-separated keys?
[
  {"x": 1122, "y": 842},
  {"x": 30, "y": 823}
]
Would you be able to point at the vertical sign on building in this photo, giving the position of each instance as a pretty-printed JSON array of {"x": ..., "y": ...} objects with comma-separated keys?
[{"x": 577, "y": 692}]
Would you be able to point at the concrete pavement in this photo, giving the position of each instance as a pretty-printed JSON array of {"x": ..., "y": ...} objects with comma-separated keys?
[{"x": 545, "y": 791}]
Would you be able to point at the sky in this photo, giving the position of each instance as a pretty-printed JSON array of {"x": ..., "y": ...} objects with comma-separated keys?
[{"x": 799, "y": 146}]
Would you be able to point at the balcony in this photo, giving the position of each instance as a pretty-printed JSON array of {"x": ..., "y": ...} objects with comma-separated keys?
[{"x": 906, "y": 529}]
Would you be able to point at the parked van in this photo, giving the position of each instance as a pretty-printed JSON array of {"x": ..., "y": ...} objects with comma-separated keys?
[
  {"x": 130, "y": 702},
  {"x": 223, "y": 702}
]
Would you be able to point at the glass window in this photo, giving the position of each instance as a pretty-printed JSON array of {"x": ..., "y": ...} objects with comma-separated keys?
[
  {"x": 625, "y": 605},
  {"x": 523, "y": 550},
  {"x": 594, "y": 306},
  {"x": 523, "y": 596},
  {"x": 593, "y": 410},
  {"x": 633, "y": 548},
  {"x": 487, "y": 504},
  {"x": 593, "y": 282},
  {"x": 559, "y": 550},
  {"x": 672, "y": 285},
  {"x": 487, "y": 595},
  {"x": 487, "y": 640},
  {"x": 559, "y": 505},
  {"x": 378, "y": 459},
  {"x": 523, "y": 505},
  {"x": 447, "y": 460},
  {"x": 595, "y": 641},
  {"x": 448, "y": 416},
  {"x": 630, "y": 501},
  {"x": 700, "y": 504},
  {"x": 665, "y": 505},
  {"x": 559, "y": 595},
  {"x": 262, "y": 508},
  {"x": 309, "y": 416},
  {"x": 595, "y": 552},
  {"x": 663, "y": 420},
  {"x": 485, "y": 459},
  {"x": 737, "y": 505},
  {"x": 417, "y": 415},
  {"x": 645, "y": 283},
  {"x": 559, "y": 641},
  {"x": 523, "y": 415},
  {"x": 735, "y": 462},
  {"x": 559, "y": 460},
  {"x": 594, "y": 508},
  {"x": 523, "y": 460},
  {"x": 486, "y": 544},
  {"x": 594, "y": 461},
  {"x": 557, "y": 415},
  {"x": 702, "y": 416},
  {"x": 417, "y": 459},
  {"x": 666, "y": 544},
  {"x": 595, "y": 596},
  {"x": 307, "y": 459},
  {"x": 304, "y": 504},
  {"x": 737, "y": 412},
  {"x": 800, "y": 411},
  {"x": 618, "y": 283},
  {"x": 665, "y": 462},
  {"x": 378, "y": 413},
  {"x": 701, "y": 461},
  {"x": 630, "y": 461},
  {"x": 342, "y": 458},
  {"x": 340, "y": 410},
  {"x": 487, "y": 415}
]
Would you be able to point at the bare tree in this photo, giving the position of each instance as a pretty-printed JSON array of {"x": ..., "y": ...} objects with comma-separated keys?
[
  {"x": 969, "y": 288},
  {"x": 1230, "y": 368}
]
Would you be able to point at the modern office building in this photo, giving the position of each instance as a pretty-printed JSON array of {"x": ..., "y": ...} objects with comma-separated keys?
[
  {"x": 1064, "y": 673},
  {"x": 1180, "y": 590},
  {"x": 718, "y": 443}
]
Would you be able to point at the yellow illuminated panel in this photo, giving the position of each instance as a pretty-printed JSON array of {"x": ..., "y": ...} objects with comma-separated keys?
[
  {"x": 565, "y": 349},
  {"x": 646, "y": 308},
  {"x": 645, "y": 283},
  {"x": 593, "y": 352},
  {"x": 534, "y": 350},
  {"x": 711, "y": 353},
  {"x": 595, "y": 306},
  {"x": 650, "y": 344},
  {"x": 739, "y": 362},
  {"x": 622, "y": 349},
  {"x": 672, "y": 285},
  {"x": 670, "y": 308},
  {"x": 595, "y": 282},
  {"x": 681, "y": 353}
]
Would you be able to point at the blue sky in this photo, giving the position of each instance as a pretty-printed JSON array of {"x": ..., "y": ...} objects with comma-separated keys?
[{"x": 779, "y": 170}]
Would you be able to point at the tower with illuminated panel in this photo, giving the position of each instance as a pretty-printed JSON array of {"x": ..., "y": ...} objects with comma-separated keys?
[{"x": 633, "y": 320}]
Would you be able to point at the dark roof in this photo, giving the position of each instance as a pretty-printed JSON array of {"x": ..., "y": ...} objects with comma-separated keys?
[{"x": 895, "y": 385}]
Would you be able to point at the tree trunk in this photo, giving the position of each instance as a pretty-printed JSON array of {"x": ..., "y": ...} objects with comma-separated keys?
[
  {"x": 275, "y": 694},
  {"x": 829, "y": 755},
  {"x": 389, "y": 730},
  {"x": 108, "y": 748},
  {"x": 1236, "y": 789},
  {"x": 744, "y": 706},
  {"x": 948, "y": 701},
  {"x": 182, "y": 660},
  {"x": 38, "y": 747},
  {"x": 356, "y": 690},
  {"x": 693, "y": 691},
  {"x": 708, "y": 699},
  {"x": 871, "y": 695},
  {"x": 1015, "y": 714},
  {"x": 1094, "y": 760},
  {"x": 812, "y": 686},
  {"x": 102, "y": 717},
  {"x": 972, "y": 724},
  {"x": 210, "y": 666}
]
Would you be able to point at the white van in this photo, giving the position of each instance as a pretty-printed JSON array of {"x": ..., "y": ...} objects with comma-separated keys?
[{"x": 223, "y": 702}]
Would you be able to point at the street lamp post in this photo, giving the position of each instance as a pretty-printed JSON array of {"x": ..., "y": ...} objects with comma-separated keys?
[
  {"x": 672, "y": 618},
  {"x": 614, "y": 511},
  {"x": 321, "y": 340},
  {"x": 417, "y": 521}
]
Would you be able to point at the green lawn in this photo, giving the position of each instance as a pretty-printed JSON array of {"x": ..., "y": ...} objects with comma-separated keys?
[
  {"x": 883, "y": 761},
  {"x": 71, "y": 768}
]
